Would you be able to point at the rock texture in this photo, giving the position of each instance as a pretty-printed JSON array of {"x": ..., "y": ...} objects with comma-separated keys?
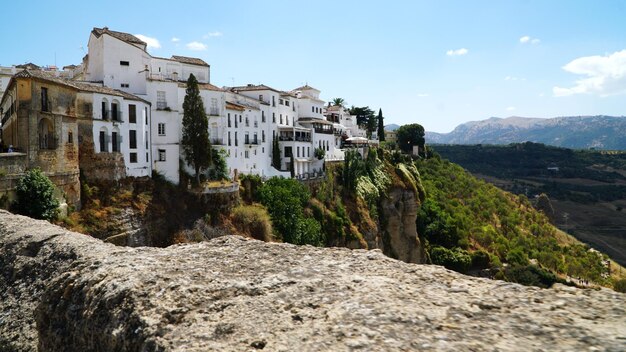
[
  {"x": 62, "y": 291},
  {"x": 399, "y": 239}
]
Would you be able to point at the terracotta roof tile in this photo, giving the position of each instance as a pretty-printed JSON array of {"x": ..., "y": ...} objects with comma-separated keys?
[
  {"x": 125, "y": 37},
  {"x": 189, "y": 60}
]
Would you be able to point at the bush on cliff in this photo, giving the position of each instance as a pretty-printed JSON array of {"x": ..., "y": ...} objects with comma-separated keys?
[
  {"x": 285, "y": 200},
  {"x": 35, "y": 196},
  {"x": 455, "y": 259}
]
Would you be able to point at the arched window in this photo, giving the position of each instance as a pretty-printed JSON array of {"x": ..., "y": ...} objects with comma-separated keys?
[
  {"x": 47, "y": 139},
  {"x": 104, "y": 109}
]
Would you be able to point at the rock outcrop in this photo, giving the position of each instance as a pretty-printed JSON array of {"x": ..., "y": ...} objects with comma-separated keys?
[
  {"x": 62, "y": 291},
  {"x": 400, "y": 239}
]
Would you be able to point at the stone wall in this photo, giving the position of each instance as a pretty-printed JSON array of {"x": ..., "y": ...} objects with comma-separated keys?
[
  {"x": 63, "y": 291},
  {"x": 97, "y": 166}
]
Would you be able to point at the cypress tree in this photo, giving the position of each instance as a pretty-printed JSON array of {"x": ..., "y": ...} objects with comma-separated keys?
[
  {"x": 195, "y": 142},
  {"x": 275, "y": 154},
  {"x": 381, "y": 126}
]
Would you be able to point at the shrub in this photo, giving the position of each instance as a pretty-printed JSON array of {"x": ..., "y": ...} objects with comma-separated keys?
[
  {"x": 35, "y": 196},
  {"x": 480, "y": 260},
  {"x": 455, "y": 259},
  {"x": 530, "y": 275},
  {"x": 516, "y": 256},
  {"x": 254, "y": 221},
  {"x": 620, "y": 285}
]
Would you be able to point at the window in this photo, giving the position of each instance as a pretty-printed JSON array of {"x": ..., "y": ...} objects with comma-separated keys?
[
  {"x": 293, "y": 107},
  {"x": 161, "y": 129},
  {"x": 312, "y": 109},
  {"x": 298, "y": 152},
  {"x": 247, "y": 138},
  {"x": 133, "y": 140},
  {"x": 161, "y": 100},
  {"x": 114, "y": 113},
  {"x": 104, "y": 110},
  {"x": 281, "y": 102},
  {"x": 281, "y": 119},
  {"x": 247, "y": 121},
  {"x": 70, "y": 137},
  {"x": 146, "y": 139},
  {"x": 273, "y": 100},
  {"x": 133, "y": 157},
  {"x": 273, "y": 117},
  {"x": 124, "y": 63},
  {"x": 213, "y": 110},
  {"x": 124, "y": 85},
  {"x": 132, "y": 113},
  {"x": 228, "y": 138},
  {"x": 114, "y": 141},
  {"x": 255, "y": 140},
  {"x": 147, "y": 160},
  {"x": 239, "y": 119},
  {"x": 308, "y": 152},
  {"x": 228, "y": 119},
  {"x": 262, "y": 116},
  {"x": 236, "y": 141},
  {"x": 145, "y": 111},
  {"x": 263, "y": 136},
  {"x": 103, "y": 142},
  {"x": 45, "y": 106},
  {"x": 247, "y": 154},
  {"x": 287, "y": 102},
  {"x": 161, "y": 154},
  {"x": 288, "y": 153},
  {"x": 261, "y": 97},
  {"x": 287, "y": 123}
]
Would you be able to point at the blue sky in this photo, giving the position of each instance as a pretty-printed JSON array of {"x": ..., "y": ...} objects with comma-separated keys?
[{"x": 437, "y": 63}]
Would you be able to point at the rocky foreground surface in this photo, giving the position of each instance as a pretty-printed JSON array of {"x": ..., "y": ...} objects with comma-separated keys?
[{"x": 63, "y": 291}]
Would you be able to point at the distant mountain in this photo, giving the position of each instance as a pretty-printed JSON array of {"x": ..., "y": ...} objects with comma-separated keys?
[
  {"x": 392, "y": 127},
  {"x": 578, "y": 132}
]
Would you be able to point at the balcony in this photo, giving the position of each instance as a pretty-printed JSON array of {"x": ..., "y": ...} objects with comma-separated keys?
[
  {"x": 323, "y": 130},
  {"x": 296, "y": 139},
  {"x": 214, "y": 112},
  {"x": 254, "y": 141},
  {"x": 217, "y": 141}
]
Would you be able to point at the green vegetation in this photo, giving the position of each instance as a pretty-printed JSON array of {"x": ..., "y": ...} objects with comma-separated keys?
[
  {"x": 195, "y": 141},
  {"x": 253, "y": 221},
  {"x": 35, "y": 196},
  {"x": 620, "y": 285},
  {"x": 545, "y": 169},
  {"x": 276, "y": 154},
  {"x": 219, "y": 168},
  {"x": 410, "y": 135},
  {"x": 462, "y": 213},
  {"x": 285, "y": 200},
  {"x": 381, "y": 126}
]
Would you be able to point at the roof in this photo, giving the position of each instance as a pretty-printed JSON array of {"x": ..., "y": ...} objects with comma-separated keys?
[
  {"x": 206, "y": 86},
  {"x": 306, "y": 87},
  {"x": 289, "y": 94},
  {"x": 334, "y": 108},
  {"x": 189, "y": 60},
  {"x": 125, "y": 37},
  {"x": 234, "y": 106},
  {"x": 30, "y": 66},
  {"x": 250, "y": 87},
  {"x": 81, "y": 86}
]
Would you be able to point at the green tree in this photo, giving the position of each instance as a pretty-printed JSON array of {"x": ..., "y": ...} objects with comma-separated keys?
[
  {"x": 363, "y": 115},
  {"x": 35, "y": 196},
  {"x": 339, "y": 102},
  {"x": 285, "y": 200},
  {"x": 410, "y": 135},
  {"x": 219, "y": 168},
  {"x": 195, "y": 142},
  {"x": 381, "y": 126},
  {"x": 276, "y": 154}
]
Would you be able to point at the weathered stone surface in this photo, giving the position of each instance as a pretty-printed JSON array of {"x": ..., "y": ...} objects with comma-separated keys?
[
  {"x": 232, "y": 294},
  {"x": 400, "y": 239}
]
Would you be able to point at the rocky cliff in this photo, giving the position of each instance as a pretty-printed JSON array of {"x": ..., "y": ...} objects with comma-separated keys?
[{"x": 62, "y": 291}]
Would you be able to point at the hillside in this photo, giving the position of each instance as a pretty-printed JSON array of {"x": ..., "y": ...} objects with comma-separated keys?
[
  {"x": 587, "y": 189},
  {"x": 579, "y": 132}
]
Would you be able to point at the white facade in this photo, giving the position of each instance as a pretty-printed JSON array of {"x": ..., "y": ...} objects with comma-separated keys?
[{"x": 243, "y": 121}]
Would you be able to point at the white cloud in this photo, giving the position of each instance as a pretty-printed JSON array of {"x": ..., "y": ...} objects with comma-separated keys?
[
  {"x": 423, "y": 95},
  {"x": 528, "y": 40},
  {"x": 510, "y": 108},
  {"x": 153, "y": 43},
  {"x": 212, "y": 34},
  {"x": 196, "y": 46},
  {"x": 606, "y": 75},
  {"x": 457, "y": 52},
  {"x": 175, "y": 39}
]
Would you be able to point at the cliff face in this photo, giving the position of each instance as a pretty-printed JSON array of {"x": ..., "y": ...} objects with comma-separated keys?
[
  {"x": 63, "y": 291},
  {"x": 399, "y": 238}
]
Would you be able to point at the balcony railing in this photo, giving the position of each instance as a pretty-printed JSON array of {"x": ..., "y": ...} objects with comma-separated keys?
[
  {"x": 253, "y": 141},
  {"x": 217, "y": 141},
  {"x": 214, "y": 111},
  {"x": 323, "y": 130},
  {"x": 297, "y": 139}
]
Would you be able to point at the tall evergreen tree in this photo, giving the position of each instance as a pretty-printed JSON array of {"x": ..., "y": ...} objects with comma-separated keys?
[
  {"x": 381, "y": 126},
  {"x": 195, "y": 142},
  {"x": 276, "y": 154}
]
